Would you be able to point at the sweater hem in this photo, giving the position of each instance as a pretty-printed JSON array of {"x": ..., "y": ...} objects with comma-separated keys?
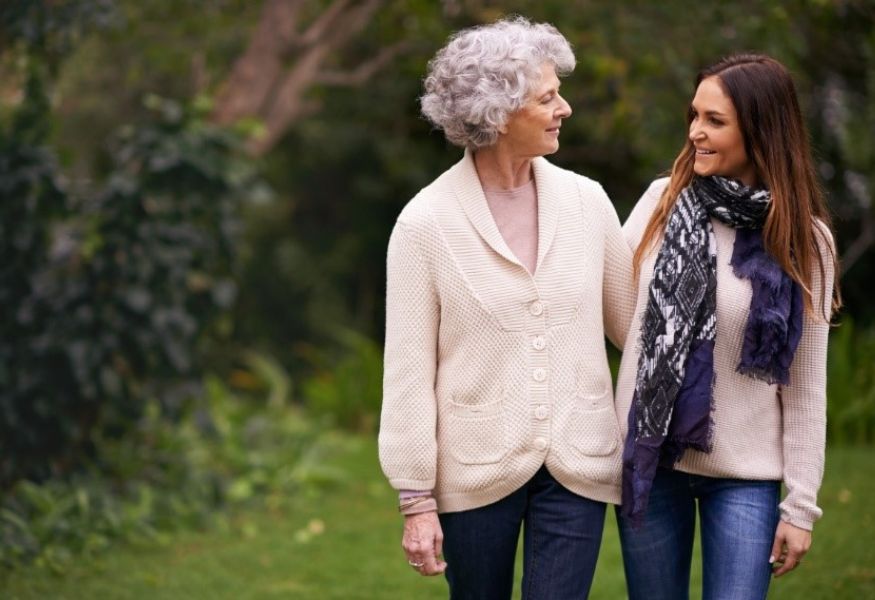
[{"x": 608, "y": 493}]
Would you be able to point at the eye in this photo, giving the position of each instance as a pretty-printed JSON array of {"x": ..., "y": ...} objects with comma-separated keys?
[
  {"x": 716, "y": 121},
  {"x": 547, "y": 99}
]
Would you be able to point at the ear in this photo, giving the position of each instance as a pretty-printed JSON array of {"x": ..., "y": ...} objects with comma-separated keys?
[{"x": 502, "y": 129}]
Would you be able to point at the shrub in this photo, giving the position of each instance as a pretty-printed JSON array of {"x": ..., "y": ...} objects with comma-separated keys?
[
  {"x": 348, "y": 389},
  {"x": 851, "y": 385},
  {"x": 227, "y": 450},
  {"x": 113, "y": 294}
]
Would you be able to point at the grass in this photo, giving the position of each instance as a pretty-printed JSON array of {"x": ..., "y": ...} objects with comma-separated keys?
[{"x": 345, "y": 543}]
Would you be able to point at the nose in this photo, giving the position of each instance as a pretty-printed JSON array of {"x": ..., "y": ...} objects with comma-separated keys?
[
  {"x": 696, "y": 132},
  {"x": 564, "y": 109}
]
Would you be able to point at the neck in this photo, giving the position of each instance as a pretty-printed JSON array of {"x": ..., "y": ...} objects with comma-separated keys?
[{"x": 499, "y": 169}]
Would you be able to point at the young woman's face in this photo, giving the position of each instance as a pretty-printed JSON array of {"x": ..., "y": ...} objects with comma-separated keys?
[{"x": 716, "y": 135}]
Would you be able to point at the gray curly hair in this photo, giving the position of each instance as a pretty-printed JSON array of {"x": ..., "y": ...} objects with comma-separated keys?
[{"x": 485, "y": 73}]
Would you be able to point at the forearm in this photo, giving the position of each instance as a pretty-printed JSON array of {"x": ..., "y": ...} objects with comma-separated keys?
[{"x": 408, "y": 448}]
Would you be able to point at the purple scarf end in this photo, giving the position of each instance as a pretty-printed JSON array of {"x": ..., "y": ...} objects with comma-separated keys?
[
  {"x": 774, "y": 326},
  {"x": 691, "y": 426}
]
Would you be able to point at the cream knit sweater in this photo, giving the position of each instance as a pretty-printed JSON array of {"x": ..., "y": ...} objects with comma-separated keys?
[
  {"x": 491, "y": 372},
  {"x": 762, "y": 432}
]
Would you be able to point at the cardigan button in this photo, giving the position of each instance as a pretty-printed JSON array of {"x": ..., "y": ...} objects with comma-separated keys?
[
  {"x": 542, "y": 412},
  {"x": 536, "y": 308},
  {"x": 538, "y": 342},
  {"x": 539, "y": 374},
  {"x": 540, "y": 443}
]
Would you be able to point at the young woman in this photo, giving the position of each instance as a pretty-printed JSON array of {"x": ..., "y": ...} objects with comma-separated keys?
[{"x": 725, "y": 387}]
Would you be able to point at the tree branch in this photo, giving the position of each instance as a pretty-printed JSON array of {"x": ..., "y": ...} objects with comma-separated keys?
[
  {"x": 271, "y": 79},
  {"x": 354, "y": 21},
  {"x": 316, "y": 31},
  {"x": 364, "y": 71},
  {"x": 255, "y": 73},
  {"x": 860, "y": 245}
]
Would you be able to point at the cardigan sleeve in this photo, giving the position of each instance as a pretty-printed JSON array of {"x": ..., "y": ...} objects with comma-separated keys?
[
  {"x": 407, "y": 439},
  {"x": 618, "y": 287},
  {"x": 803, "y": 403}
]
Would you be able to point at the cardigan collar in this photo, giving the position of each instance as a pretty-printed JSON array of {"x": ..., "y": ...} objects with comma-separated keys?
[{"x": 549, "y": 188}]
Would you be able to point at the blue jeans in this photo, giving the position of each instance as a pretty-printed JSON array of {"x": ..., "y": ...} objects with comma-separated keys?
[
  {"x": 738, "y": 521},
  {"x": 561, "y": 538}
]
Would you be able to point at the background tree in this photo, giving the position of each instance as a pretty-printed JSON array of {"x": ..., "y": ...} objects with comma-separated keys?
[
  {"x": 111, "y": 289},
  {"x": 343, "y": 159}
]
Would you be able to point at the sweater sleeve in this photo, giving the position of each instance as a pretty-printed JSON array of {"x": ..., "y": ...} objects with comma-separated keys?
[
  {"x": 803, "y": 402},
  {"x": 407, "y": 439},
  {"x": 618, "y": 287}
]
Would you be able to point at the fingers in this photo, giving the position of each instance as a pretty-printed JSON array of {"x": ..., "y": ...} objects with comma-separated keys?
[
  {"x": 791, "y": 544},
  {"x": 439, "y": 542},
  {"x": 433, "y": 565},
  {"x": 789, "y": 559},
  {"x": 777, "y": 547},
  {"x": 422, "y": 543}
]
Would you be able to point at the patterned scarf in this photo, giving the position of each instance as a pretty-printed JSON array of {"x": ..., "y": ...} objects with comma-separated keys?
[{"x": 673, "y": 400}]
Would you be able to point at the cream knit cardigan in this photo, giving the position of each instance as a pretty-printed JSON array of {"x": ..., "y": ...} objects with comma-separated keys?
[
  {"x": 761, "y": 431},
  {"x": 491, "y": 372}
]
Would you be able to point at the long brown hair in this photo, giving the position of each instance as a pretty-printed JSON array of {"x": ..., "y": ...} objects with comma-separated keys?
[{"x": 776, "y": 141}]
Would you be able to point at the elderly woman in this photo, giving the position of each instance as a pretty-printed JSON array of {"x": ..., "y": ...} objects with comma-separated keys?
[{"x": 504, "y": 275}]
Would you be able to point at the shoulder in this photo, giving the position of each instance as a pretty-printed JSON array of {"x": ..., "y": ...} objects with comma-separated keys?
[
  {"x": 589, "y": 191},
  {"x": 826, "y": 251},
  {"x": 824, "y": 238},
  {"x": 417, "y": 214},
  {"x": 638, "y": 219},
  {"x": 650, "y": 198},
  {"x": 559, "y": 174}
]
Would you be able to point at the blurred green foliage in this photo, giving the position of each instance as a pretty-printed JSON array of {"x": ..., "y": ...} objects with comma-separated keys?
[
  {"x": 229, "y": 449},
  {"x": 141, "y": 250},
  {"x": 114, "y": 289},
  {"x": 349, "y": 389},
  {"x": 137, "y": 260},
  {"x": 851, "y": 385},
  {"x": 317, "y": 251},
  {"x": 313, "y": 257}
]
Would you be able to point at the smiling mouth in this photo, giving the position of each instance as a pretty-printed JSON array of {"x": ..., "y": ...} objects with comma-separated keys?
[{"x": 702, "y": 152}]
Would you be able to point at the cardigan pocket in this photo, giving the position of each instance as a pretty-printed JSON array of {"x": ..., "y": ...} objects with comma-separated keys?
[
  {"x": 475, "y": 432},
  {"x": 592, "y": 428}
]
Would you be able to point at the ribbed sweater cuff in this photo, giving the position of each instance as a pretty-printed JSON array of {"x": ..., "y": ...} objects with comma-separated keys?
[{"x": 797, "y": 521}]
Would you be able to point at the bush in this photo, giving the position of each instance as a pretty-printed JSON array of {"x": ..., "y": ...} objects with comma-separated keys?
[
  {"x": 347, "y": 389},
  {"x": 114, "y": 292},
  {"x": 227, "y": 450},
  {"x": 851, "y": 385}
]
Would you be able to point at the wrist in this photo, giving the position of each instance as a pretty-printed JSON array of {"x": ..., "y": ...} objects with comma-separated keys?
[{"x": 417, "y": 505}]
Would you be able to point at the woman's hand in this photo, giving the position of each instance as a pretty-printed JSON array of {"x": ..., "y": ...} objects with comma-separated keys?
[
  {"x": 423, "y": 543},
  {"x": 791, "y": 544}
]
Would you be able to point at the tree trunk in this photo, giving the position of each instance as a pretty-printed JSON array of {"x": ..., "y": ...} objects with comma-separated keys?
[{"x": 285, "y": 59}]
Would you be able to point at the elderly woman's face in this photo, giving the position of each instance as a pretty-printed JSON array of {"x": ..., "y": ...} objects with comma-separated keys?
[{"x": 533, "y": 130}]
